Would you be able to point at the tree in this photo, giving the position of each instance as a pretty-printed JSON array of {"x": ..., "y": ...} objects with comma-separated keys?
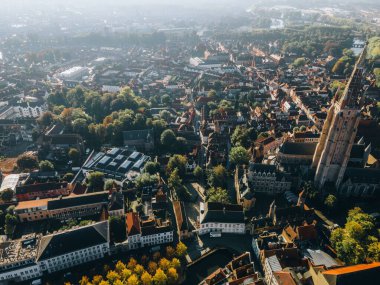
[
  {"x": 46, "y": 119},
  {"x": 175, "y": 263},
  {"x": 133, "y": 280},
  {"x": 218, "y": 195},
  {"x": 198, "y": 172},
  {"x": 6, "y": 195},
  {"x": 68, "y": 177},
  {"x": 172, "y": 276},
  {"x": 117, "y": 228},
  {"x": 356, "y": 242},
  {"x": 181, "y": 249},
  {"x": 165, "y": 115},
  {"x": 181, "y": 145},
  {"x": 166, "y": 100},
  {"x": 74, "y": 155},
  {"x": 164, "y": 264},
  {"x": 152, "y": 167},
  {"x": 174, "y": 180},
  {"x": 168, "y": 139},
  {"x": 10, "y": 224},
  {"x": 84, "y": 280},
  {"x": 46, "y": 166},
  {"x": 139, "y": 269},
  {"x": 95, "y": 181},
  {"x": 132, "y": 264},
  {"x": 27, "y": 161},
  {"x": 217, "y": 177},
  {"x": 239, "y": 155},
  {"x": 374, "y": 252},
  {"x": 160, "y": 277},
  {"x": 152, "y": 267},
  {"x": 97, "y": 279},
  {"x": 112, "y": 276},
  {"x": 146, "y": 279},
  {"x": 125, "y": 274},
  {"x": 119, "y": 267},
  {"x": 330, "y": 201},
  {"x": 211, "y": 94},
  {"x": 299, "y": 62},
  {"x": 243, "y": 136},
  {"x": 179, "y": 162},
  {"x": 109, "y": 184},
  {"x": 145, "y": 180}
]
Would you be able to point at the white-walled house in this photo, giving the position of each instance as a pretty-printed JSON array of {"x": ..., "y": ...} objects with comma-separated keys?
[
  {"x": 71, "y": 248},
  {"x": 219, "y": 217}
]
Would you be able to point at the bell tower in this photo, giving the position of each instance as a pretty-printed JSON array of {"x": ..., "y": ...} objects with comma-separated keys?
[{"x": 339, "y": 130}]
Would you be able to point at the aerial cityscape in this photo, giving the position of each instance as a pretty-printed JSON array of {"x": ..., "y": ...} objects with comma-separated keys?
[{"x": 202, "y": 142}]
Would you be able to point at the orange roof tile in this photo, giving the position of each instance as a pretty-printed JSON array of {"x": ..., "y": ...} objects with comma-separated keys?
[
  {"x": 32, "y": 204},
  {"x": 133, "y": 223},
  {"x": 351, "y": 269}
]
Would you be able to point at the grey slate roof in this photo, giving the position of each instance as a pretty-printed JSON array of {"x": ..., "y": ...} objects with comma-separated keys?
[
  {"x": 298, "y": 148},
  {"x": 71, "y": 201},
  {"x": 222, "y": 213},
  {"x": 72, "y": 240}
]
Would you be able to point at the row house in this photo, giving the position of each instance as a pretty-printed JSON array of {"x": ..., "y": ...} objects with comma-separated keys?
[
  {"x": 42, "y": 190},
  {"x": 150, "y": 232},
  {"x": 68, "y": 249},
  {"x": 62, "y": 208},
  {"x": 267, "y": 179},
  {"x": 32, "y": 256}
]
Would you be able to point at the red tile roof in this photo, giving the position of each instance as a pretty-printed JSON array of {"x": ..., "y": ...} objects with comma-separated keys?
[{"x": 133, "y": 224}]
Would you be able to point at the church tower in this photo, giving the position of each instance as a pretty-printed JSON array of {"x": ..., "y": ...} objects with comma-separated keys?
[{"x": 339, "y": 130}]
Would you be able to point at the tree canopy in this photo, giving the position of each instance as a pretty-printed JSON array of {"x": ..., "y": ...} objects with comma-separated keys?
[{"x": 357, "y": 242}]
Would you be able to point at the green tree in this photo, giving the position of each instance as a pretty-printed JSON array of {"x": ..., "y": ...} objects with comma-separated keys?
[
  {"x": 74, "y": 155},
  {"x": 68, "y": 177},
  {"x": 299, "y": 62},
  {"x": 165, "y": 115},
  {"x": 46, "y": 119},
  {"x": 152, "y": 167},
  {"x": 179, "y": 162},
  {"x": 27, "y": 161},
  {"x": 217, "y": 177},
  {"x": 330, "y": 201},
  {"x": 218, "y": 195},
  {"x": 168, "y": 139},
  {"x": 174, "y": 180},
  {"x": 198, "y": 173},
  {"x": 356, "y": 242},
  {"x": 46, "y": 165},
  {"x": 145, "y": 179},
  {"x": 166, "y": 100},
  {"x": 211, "y": 94},
  {"x": 6, "y": 195},
  {"x": 243, "y": 136},
  {"x": 239, "y": 155},
  {"x": 10, "y": 224},
  {"x": 95, "y": 181}
]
